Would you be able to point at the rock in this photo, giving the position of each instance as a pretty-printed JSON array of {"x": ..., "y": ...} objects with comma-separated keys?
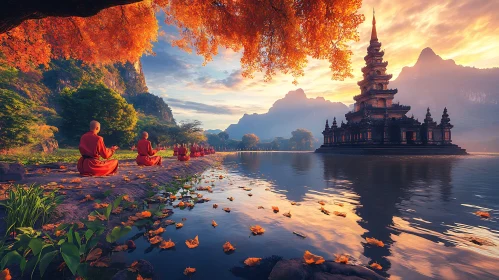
[
  {"x": 295, "y": 269},
  {"x": 11, "y": 172},
  {"x": 145, "y": 268},
  {"x": 47, "y": 146}
]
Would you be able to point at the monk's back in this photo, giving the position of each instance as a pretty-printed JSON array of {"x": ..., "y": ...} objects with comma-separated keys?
[
  {"x": 88, "y": 145},
  {"x": 143, "y": 147}
]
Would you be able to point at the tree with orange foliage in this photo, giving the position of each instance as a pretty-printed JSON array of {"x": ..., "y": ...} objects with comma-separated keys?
[{"x": 273, "y": 35}]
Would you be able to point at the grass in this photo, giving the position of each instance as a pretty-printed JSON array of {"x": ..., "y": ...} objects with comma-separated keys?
[
  {"x": 65, "y": 155},
  {"x": 26, "y": 206}
]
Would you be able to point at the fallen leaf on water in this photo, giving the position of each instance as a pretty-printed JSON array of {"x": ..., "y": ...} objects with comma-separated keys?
[
  {"x": 261, "y": 207},
  {"x": 192, "y": 243},
  {"x": 167, "y": 244},
  {"x": 230, "y": 198},
  {"x": 173, "y": 197},
  {"x": 323, "y": 210},
  {"x": 250, "y": 194},
  {"x": 179, "y": 225},
  {"x": 300, "y": 234},
  {"x": 120, "y": 248},
  {"x": 213, "y": 223},
  {"x": 215, "y": 205},
  {"x": 227, "y": 209},
  {"x": 126, "y": 197},
  {"x": 479, "y": 241},
  {"x": 156, "y": 232},
  {"x": 341, "y": 214},
  {"x": 143, "y": 214},
  {"x": 247, "y": 189},
  {"x": 341, "y": 258},
  {"x": 199, "y": 195},
  {"x": 257, "y": 230},
  {"x": 49, "y": 227},
  {"x": 189, "y": 271},
  {"x": 102, "y": 262},
  {"x": 376, "y": 265},
  {"x": 287, "y": 214},
  {"x": 5, "y": 274},
  {"x": 181, "y": 204},
  {"x": 75, "y": 181},
  {"x": 267, "y": 189},
  {"x": 155, "y": 240},
  {"x": 374, "y": 241},
  {"x": 312, "y": 259},
  {"x": 322, "y": 202},
  {"x": 169, "y": 222},
  {"x": 94, "y": 254},
  {"x": 252, "y": 261},
  {"x": 100, "y": 205},
  {"x": 482, "y": 214},
  {"x": 187, "y": 187},
  {"x": 228, "y": 247},
  {"x": 339, "y": 204},
  {"x": 275, "y": 209},
  {"x": 293, "y": 203}
]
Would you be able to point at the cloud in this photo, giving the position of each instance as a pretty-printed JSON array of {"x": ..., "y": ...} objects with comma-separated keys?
[
  {"x": 209, "y": 109},
  {"x": 164, "y": 64}
]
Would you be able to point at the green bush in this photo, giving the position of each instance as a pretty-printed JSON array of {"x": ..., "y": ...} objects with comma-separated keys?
[
  {"x": 16, "y": 119},
  {"x": 26, "y": 206}
]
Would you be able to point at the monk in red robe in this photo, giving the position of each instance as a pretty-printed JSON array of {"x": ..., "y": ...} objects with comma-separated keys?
[
  {"x": 146, "y": 155},
  {"x": 182, "y": 153},
  {"x": 91, "y": 149},
  {"x": 175, "y": 150},
  {"x": 194, "y": 151},
  {"x": 201, "y": 151}
]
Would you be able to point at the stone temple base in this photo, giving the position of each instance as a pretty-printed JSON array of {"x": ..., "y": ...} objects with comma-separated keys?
[{"x": 377, "y": 149}]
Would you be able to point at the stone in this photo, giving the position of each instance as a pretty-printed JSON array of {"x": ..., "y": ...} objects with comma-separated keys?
[
  {"x": 47, "y": 146},
  {"x": 295, "y": 269},
  {"x": 11, "y": 172}
]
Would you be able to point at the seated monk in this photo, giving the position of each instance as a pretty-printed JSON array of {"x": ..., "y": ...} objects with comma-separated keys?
[
  {"x": 194, "y": 151},
  {"x": 182, "y": 153},
  {"x": 201, "y": 151},
  {"x": 146, "y": 154},
  {"x": 175, "y": 150},
  {"x": 91, "y": 148}
]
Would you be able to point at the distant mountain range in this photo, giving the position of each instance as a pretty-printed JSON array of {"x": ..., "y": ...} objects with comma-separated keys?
[
  {"x": 470, "y": 94},
  {"x": 293, "y": 111},
  {"x": 212, "y": 131}
]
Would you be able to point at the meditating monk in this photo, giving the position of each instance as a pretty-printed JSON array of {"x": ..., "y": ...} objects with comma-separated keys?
[
  {"x": 194, "y": 151},
  {"x": 91, "y": 149},
  {"x": 182, "y": 153},
  {"x": 146, "y": 155},
  {"x": 201, "y": 151},
  {"x": 175, "y": 150}
]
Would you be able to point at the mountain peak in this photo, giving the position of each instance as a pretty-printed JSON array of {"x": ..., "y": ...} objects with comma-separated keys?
[
  {"x": 296, "y": 94},
  {"x": 427, "y": 56}
]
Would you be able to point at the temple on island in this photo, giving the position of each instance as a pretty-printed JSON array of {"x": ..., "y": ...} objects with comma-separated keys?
[{"x": 377, "y": 125}]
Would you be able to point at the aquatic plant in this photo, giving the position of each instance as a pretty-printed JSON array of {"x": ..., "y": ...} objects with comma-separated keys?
[{"x": 28, "y": 205}]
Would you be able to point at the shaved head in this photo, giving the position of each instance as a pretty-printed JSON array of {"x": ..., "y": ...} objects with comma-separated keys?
[
  {"x": 145, "y": 134},
  {"x": 95, "y": 126}
]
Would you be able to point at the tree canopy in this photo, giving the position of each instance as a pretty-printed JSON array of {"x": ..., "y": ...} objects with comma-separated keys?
[
  {"x": 272, "y": 35},
  {"x": 301, "y": 140},
  {"x": 16, "y": 119},
  {"x": 118, "y": 118},
  {"x": 249, "y": 141}
]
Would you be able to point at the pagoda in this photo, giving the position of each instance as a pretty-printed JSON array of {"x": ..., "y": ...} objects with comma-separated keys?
[{"x": 377, "y": 125}]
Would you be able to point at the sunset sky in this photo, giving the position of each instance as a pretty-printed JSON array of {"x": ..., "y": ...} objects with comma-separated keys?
[{"x": 466, "y": 31}]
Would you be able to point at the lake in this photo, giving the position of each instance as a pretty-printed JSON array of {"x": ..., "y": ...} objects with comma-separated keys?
[{"x": 421, "y": 207}]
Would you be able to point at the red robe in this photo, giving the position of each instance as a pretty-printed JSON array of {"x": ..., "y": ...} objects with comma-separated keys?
[
  {"x": 182, "y": 154},
  {"x": 146, "y": 154},
  {"x": 194, "y": 152},
  {"x": 91, "y": 148},
  {"x": 175, "y": 151},
  {"x": 201, "y": 151}
]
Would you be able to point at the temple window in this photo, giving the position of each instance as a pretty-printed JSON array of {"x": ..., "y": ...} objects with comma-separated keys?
[
  {"x": 380, "y": 86},
  {"x": 378, "y": 72},
  {"x": 382, "y": 102}
]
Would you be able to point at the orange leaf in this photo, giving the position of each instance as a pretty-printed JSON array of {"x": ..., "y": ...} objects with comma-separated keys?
[
  {"x": 87, "y": 198},
  {"x": 94, "y": 254},
  {"x": 213, "y": 223},
  {"x": 167, "y": 244},
  {"x": 215, "y": 205},
  {"x": 287, "y": 214},
  {"x": 120, "y": 248},
  {"x": 5, "y": 274},
  {"x": 341, "y": 258},
  {"x": 340, "y": 214},
  {"x": 322, "y": 202},
  {"x": 155, "y": 239},
  {"x": 192, "y": 243},
  {"x": 374, "y": 241},
  {"x": 323, "y": 210},
  {"x": 189, "y": 271},
  {"x": 76, "y": 181},
  {"x": 156, "y": 232},
  {"x": 483, "y": 214},
  {"x": 49, "y": 227},
  {"x": 275, "y": 209},
  {"x": 227, "y": 209},
  {"x": 376, "y": 265},
  {"x": 257, "y": 230},
  {"x": 143, "y": 215},
  {"x": 126, "y": 197},
  {"x": 312, "y": 259},
  {"x": 228, "y": 247},
  {"x": 252, "y": 261},
  {"x": 100, "y": 205},
  {"x": 179, "y": 225}
]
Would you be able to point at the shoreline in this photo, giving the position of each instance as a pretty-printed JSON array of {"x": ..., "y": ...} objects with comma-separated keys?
[{"x": 132, "y": 180}]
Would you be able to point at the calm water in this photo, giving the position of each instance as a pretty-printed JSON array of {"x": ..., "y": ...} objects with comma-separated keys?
[{"x": 420, "y": 207}]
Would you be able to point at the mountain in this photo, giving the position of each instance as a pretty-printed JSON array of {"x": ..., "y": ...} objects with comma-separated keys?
[
  {"x": 212, "y": 131},
  {"x": 470, "y": 94},
  {"x": 43, "y": 85},
  {"x": 293, "y": 111}
]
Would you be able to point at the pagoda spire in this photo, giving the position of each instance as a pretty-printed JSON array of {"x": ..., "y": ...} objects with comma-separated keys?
[{"x": 374, "y": 34}]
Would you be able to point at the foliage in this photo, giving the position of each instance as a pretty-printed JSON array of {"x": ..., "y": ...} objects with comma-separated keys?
[
  {"x": 273, "y": 36},
  {"x": 26, "y": 206},
  {"x": 67, "y": 155},
  {"x": 158, "y": 130},
  {"x": 249, "y": 141},
  {"x": 224, "y": 136},
  {"x": 16, "y": 119},
  {"x": 301, "y": 140},
  {"x": 116, "y": 116},
  {"x": 77, "y": 247},
  {"x": 279, "y": 144},
  {"x": 153, "y": 105}
]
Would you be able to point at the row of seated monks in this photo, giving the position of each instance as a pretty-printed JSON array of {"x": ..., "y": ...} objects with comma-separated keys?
[
  {"x": 92, "y": 148},
  {"x": 182, "y": 152}
]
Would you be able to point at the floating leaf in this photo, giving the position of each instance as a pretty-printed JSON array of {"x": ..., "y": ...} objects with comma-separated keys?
[
  {"x": 482, "y": 214},
  {"x": 94, "y": 254},
  {"x": 322, "y": 202},
  {"x": 102, "y": 262},
  {"x": 87, "y": 198},
  {"x": 312, "y": 259},
  {"x": 275, "y": 209},
  {"x": 287, "y": 214},
  {"x": 228, "y": 247},
  {"x": 75, "y": 181},
  {"x": 374, "y": 241},
  {"x": 143, "y": 214},
  {"x": 155, "y": 240},
  {"x": 252, "y": 261},
  {"x": 189, "y": 271},
  {"x": 100, "y": 205},
  {"x": 341, "y": 258},
  {"x": 49, "y": 227},
  {"x": 340, "y": 214},
  {"x": 179, "y": 225},
  {"x": 376, "y": 265},
  {"x": 213, "y": 223},
  {"x": 192, "y": 243},
  {"x": 215, "y": 205},
  {"x": 227, "y": 209},
  {"x": 323, "y": 210},
  {"x": 156, "y": 232},
  {"x": 257, "y": 230},
  {"x": 167, "y": 244},
  {"x": 230, "y": 198}
]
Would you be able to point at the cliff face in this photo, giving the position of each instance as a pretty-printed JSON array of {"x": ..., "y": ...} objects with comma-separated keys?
[{"x": 44, "y": 85}]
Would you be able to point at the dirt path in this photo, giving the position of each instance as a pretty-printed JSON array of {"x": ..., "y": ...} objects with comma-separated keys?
[{"x": 132, "y": 180}]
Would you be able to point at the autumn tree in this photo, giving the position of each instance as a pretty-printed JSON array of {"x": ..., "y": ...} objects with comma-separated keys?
[
  {"x": 272, "y": 35},
  {"x": 78, "y": 108},
  {"x": 249, "y": 141},
  {"x": 301, "y": 140}
]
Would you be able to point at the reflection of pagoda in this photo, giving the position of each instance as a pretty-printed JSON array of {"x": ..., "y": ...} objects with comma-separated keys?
[{"x": 378, "y": 126}]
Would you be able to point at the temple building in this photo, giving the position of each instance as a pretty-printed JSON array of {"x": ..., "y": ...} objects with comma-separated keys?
[{"x": 377, "y": 125}]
